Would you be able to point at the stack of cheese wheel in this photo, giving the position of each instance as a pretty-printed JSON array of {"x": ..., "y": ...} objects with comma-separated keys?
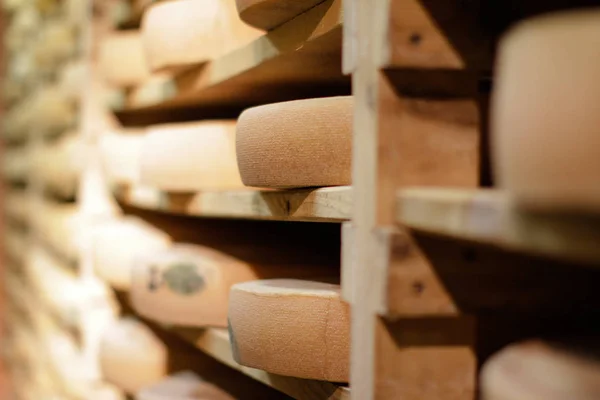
[
  {"x": 189, "y": 285},
  {"x": 120, "y": 153},
  {"x": 299, "y": 143},
  {"x": 132, "y": 357},
  {"x": 122, "y": 61},
  {"x": 16, "y": 164},
  {"x": 117, "y": 243},
  {"x": 180, "y": 33},
  {"x": 269, "y": 14},
  {"x": 190, "y": 156},
  {"x": 291, "y": 327},
  {"x": 53, "y": 111},
  {"x": 57, "y": 225},
  {"x": 535, "y": 370},
  {"x": 183, "y": 386},
  {"x": 545, "y": 120},
  {"x": 58, "y": 165}
]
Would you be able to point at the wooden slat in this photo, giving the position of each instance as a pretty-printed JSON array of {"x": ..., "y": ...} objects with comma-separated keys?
[
  {"x": 332, "y": 204},
  {"x": 215, "y": 342},
  {"x": 490, "y": 217},
  {"x": 299, "y": 59}
]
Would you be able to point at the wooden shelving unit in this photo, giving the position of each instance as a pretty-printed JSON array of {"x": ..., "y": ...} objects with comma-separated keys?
[{"x": 319, "y": 205}]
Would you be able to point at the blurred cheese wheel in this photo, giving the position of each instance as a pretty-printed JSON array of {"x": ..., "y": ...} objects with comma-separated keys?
[
  {"x": 269, "y": 14},
  {"x": 132, "y": 357},
  {"x": 57, "y": 42},
  {"x": 106, "y": 392},
  {"x": 296, "y": 144},
  {"x": 58, "y": 165},
  {"x": 182, "y": 32},
  {"x": 122, "y": 60},
  {"x": 546, "y": 112},
  {"x": 23, "y": 26},
  {"x": 189, "y": 285},
  {"x": 16, "y": 204},
  {"x": 183, "y": 386},
  {"x": 15, "y": 244},
  {"x": 120, "y": 152},
  {"x": 117, "y": 243},
  {"x": 191, "y": 156},
  {"x": 57, "y": 225},
  {"x": 73, "y": 79},
  {"x": 536, "y": 371},
  {"x": 16, "y": 164},
  {"x": 53, "y": 111},
  {"x": 291, "y": 327}
]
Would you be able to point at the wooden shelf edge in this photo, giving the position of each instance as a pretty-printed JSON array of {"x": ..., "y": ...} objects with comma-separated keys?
[
  {"x": 331, "y": 204},
  {"x": 215, "y": 342},
  {"x": 490, "y": 217}
]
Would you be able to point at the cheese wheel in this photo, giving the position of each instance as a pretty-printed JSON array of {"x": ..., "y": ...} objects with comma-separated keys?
[
  {"x": 58, "y": 226},
  {"x": 291, "y": 327},
  {"x": 57, "y": 42},
  {"x": 189, "y": 157},
  {"x": 536, "y": 371},
  {"x": 16, "y": 164},
  {"x": 132, "y": 357},
  {"x": 52, "y": 111},
  {"x": 73, "y": 79},
  {"x": 117, "y": 243},
  {"x": 269, "y": 14},
  {"x": 189, "y": 285},
  {"x": 183, "y": 32},
  {"x": 22, "y": 28},
  {"x": 183, "y": 386},
  {"x": 122, "y": 60},
  {"x": 120, "y": 152},
  {"x": 296, "y": 144},
  {"x": 545, "y": 120},
  {"x": 58, "y": 165}
]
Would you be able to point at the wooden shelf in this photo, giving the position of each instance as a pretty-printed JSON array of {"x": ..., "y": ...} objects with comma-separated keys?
[
  {"x": 299, "y": 59},
  {"x": 332, "y": 204},
  {"x": 489, "y": 217},
  {"x": 215, "y": 342}
]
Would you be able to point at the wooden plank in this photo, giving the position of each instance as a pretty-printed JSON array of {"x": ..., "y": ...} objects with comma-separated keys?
[
  {"x": 299, "y": 59},
  {"x": 489, "y": 217},
  {"x": 332, "y": 204},
  {"x": 215, "y": 342},
  {"x": 269, "y": 14}
]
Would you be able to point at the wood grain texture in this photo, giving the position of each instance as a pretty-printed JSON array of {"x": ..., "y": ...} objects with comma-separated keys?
[
  {"x": 291, "y": 327},
  {"x": 215, "y": 342},
  {"x": 299, "y": 59},
  {"x": 325, "y": 205},
  {"x": 491, "y": 217},
  {"x": 302, "y": 143},
  {"x": 269, "y": 14}
]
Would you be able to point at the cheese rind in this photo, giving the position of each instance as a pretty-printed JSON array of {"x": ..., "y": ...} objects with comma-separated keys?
[
  {"x": 120, "y": 153},
  {"x": 291, "y": 327},
  {"x": 132, "y": 356},
  {"x": 190, "y": 157},
  {"x": 122, "y": 59},
  {"x": 183, "y": 32},
  {"x": 300, "y": 143},
  {"x": 545, "y": 120}
]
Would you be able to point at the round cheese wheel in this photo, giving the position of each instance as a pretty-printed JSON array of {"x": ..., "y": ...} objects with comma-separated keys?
[
  {"x": 269, "y": 14},
  {"x": 122, "y": 60},
  {"x": 291, "y": 327},
  {"x": 117, "y": 243},
  {"x": 58, "y": 165},
  {"x": 183, "y": 32},
  {"x": 536, "y": 371},
  {"x": 189, "y": 157},
  {"x": 545, "y": 120},
  {"x": 57, "y": 42},
  {"x": 132, "y": 357},
  {"x": 23, "y": 26},
  {"x": 120, "y": 152},
  {"x": 296, "y": 144},
  {"x": 57, "y": 225},
  {"x": 183, "y": 386},
  {"x": 52, "y": 111}
]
